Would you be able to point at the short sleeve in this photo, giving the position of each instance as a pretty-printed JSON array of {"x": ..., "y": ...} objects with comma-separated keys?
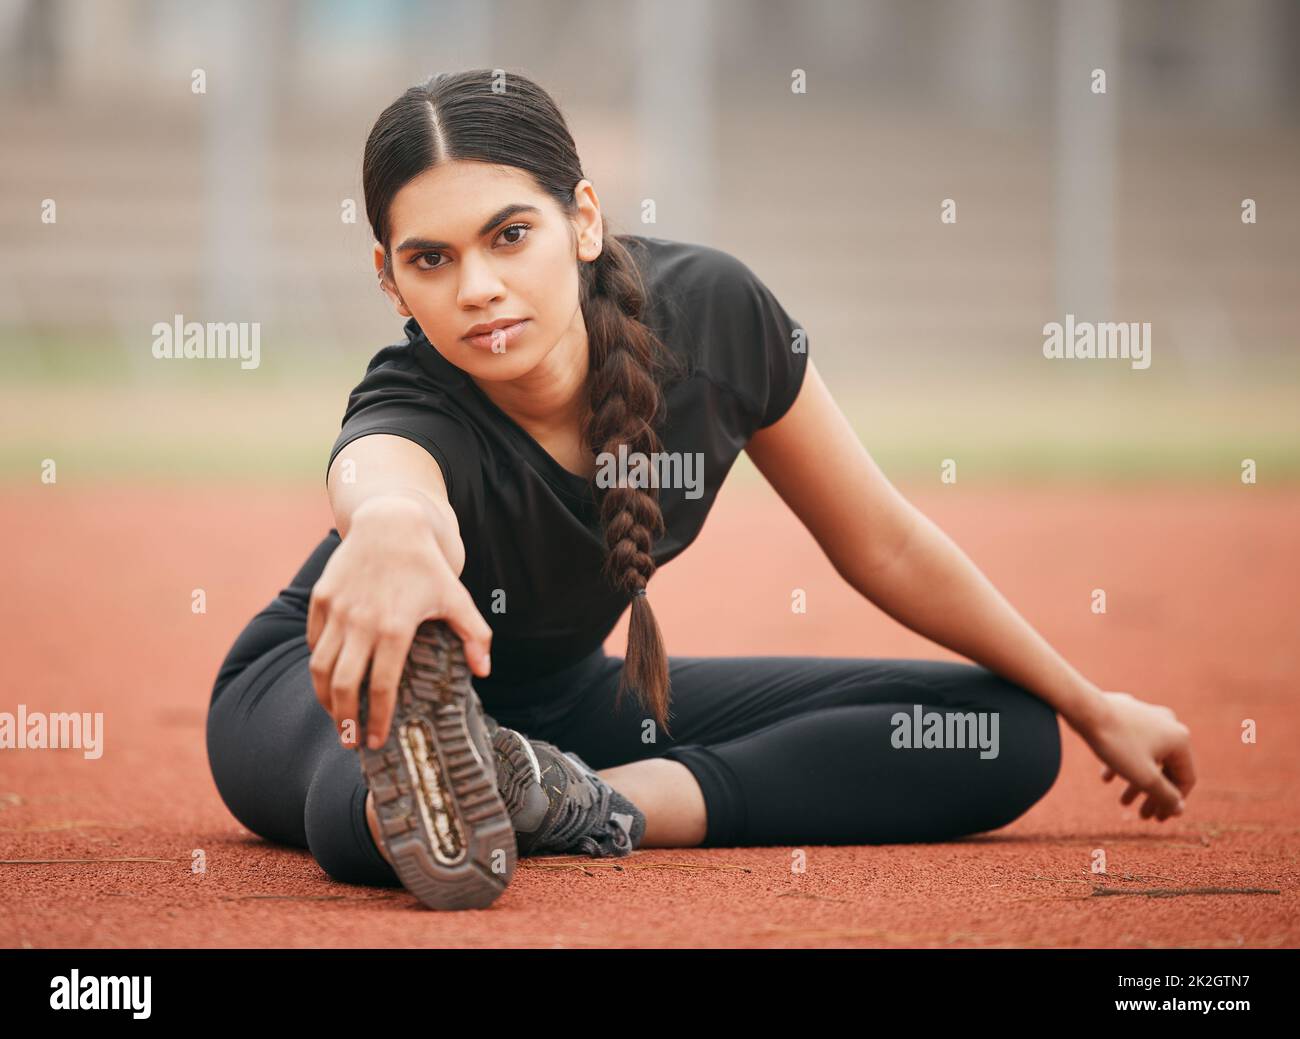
[
  {"x": 785, "y": 353},
  {"x": 396, "y": 397},
  {"x": 755, "y": 347}
]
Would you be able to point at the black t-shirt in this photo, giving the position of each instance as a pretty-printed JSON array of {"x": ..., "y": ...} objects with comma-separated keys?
[{"x": 531, "y": 528}]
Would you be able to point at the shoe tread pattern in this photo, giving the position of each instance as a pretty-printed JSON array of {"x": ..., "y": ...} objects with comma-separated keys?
[{"x": 447, "y": 867}]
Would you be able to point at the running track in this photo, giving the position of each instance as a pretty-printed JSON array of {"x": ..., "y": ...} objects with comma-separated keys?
[{"x": 1202, "y": 610}]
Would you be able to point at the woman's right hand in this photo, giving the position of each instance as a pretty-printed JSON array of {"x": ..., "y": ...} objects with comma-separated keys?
[{"x": 388, "y": 576}]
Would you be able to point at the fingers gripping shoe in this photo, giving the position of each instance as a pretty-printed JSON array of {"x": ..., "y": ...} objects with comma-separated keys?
[
  {"x": 558, "y": 804},
  {"x": 442, "y": 820}
]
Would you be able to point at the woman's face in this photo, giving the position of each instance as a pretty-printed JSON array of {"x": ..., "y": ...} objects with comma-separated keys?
[{"x": 474, "y": 244}]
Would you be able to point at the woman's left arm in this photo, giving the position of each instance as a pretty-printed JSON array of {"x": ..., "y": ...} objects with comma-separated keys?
[{"x": 899, "y": 559}]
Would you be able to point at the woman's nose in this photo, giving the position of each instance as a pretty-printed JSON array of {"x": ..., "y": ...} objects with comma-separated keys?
[{"x": 479, "y": 283}]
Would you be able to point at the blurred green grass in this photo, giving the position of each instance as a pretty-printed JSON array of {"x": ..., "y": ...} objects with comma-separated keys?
[{"x": 106, "y": 418}]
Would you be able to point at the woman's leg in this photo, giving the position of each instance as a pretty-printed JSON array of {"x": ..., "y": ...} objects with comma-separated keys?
[
  {"x": 282, "y": 771},
  {"x": 792, "y": 750},
  {"x": 274, "y": 751}
]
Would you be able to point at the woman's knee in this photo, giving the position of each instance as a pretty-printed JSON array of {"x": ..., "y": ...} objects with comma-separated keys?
[
  {"x": 275, "y": 628},
  {"x": 338, "y": 834},
  {"x": 1031, "y": 741},
  {"x": 248, "y": 723},
  {"x": 1042, "y": 758},
  {"x": 1026, "y": 758},
  {"x": 232, "y": 775}
]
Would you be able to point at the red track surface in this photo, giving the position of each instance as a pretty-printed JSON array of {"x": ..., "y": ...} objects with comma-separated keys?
[{"x": 1202, "y": 616}]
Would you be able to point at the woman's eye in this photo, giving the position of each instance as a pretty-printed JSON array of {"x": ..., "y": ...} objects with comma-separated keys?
[
  {"x": 515, "y": 227},
  {"x": 420, "y": 256}
]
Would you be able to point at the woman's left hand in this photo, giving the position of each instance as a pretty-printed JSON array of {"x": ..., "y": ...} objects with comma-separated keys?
[{"x": 1147, "y": 745}]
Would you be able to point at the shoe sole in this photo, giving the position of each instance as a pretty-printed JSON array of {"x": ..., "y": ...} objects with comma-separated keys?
[{"x": 441, "y": 818}]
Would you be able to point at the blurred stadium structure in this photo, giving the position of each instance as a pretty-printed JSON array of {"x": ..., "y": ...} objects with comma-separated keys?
[{"x": 225, "y": 205}]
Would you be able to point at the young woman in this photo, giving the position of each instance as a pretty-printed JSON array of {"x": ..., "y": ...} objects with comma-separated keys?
[{"x": 555, "y": 426}]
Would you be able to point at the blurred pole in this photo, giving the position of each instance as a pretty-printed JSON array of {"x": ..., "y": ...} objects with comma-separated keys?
[
  {"x": 988, "y": 55},
  {"x": 677, "y": 114},
  {"x": 1087, "y": 33},
  {"x": 237, "y": 127},
  {"x": 34, "y": 48}
]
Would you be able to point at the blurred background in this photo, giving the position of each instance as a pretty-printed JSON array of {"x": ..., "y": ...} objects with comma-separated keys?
[{"x": 228, "y": 205}]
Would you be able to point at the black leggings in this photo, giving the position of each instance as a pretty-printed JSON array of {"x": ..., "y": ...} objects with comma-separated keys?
[{"x": 787, "y": 750}]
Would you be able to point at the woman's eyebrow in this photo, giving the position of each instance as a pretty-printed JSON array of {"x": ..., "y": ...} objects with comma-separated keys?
[{"x": 501, "y": 215}]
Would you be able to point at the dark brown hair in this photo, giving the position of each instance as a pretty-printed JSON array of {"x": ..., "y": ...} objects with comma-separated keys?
[{"x": 508, "y": 120}]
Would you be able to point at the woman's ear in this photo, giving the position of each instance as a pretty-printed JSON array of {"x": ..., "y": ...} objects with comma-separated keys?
[
  {"x": 589, "y": 225},
  {"x": 386, "y": 284}
]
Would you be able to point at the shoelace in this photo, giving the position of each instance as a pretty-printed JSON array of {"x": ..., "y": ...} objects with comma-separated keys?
[
  {"x": 573, "y": 820},
  {"x": 615, "y": 840},
  {"x": 571, "y": 829}
]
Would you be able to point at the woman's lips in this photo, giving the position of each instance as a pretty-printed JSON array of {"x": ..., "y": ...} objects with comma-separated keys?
[{"x": 505, "y": 336}]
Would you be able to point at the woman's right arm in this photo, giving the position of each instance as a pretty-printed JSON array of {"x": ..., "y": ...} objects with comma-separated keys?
[{"x": 399, "y": 564}]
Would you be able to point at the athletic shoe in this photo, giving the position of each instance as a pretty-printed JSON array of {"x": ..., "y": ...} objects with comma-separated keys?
[
  {"x": 443, "y": 823},
  {"x": 558, "y": 804}
]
